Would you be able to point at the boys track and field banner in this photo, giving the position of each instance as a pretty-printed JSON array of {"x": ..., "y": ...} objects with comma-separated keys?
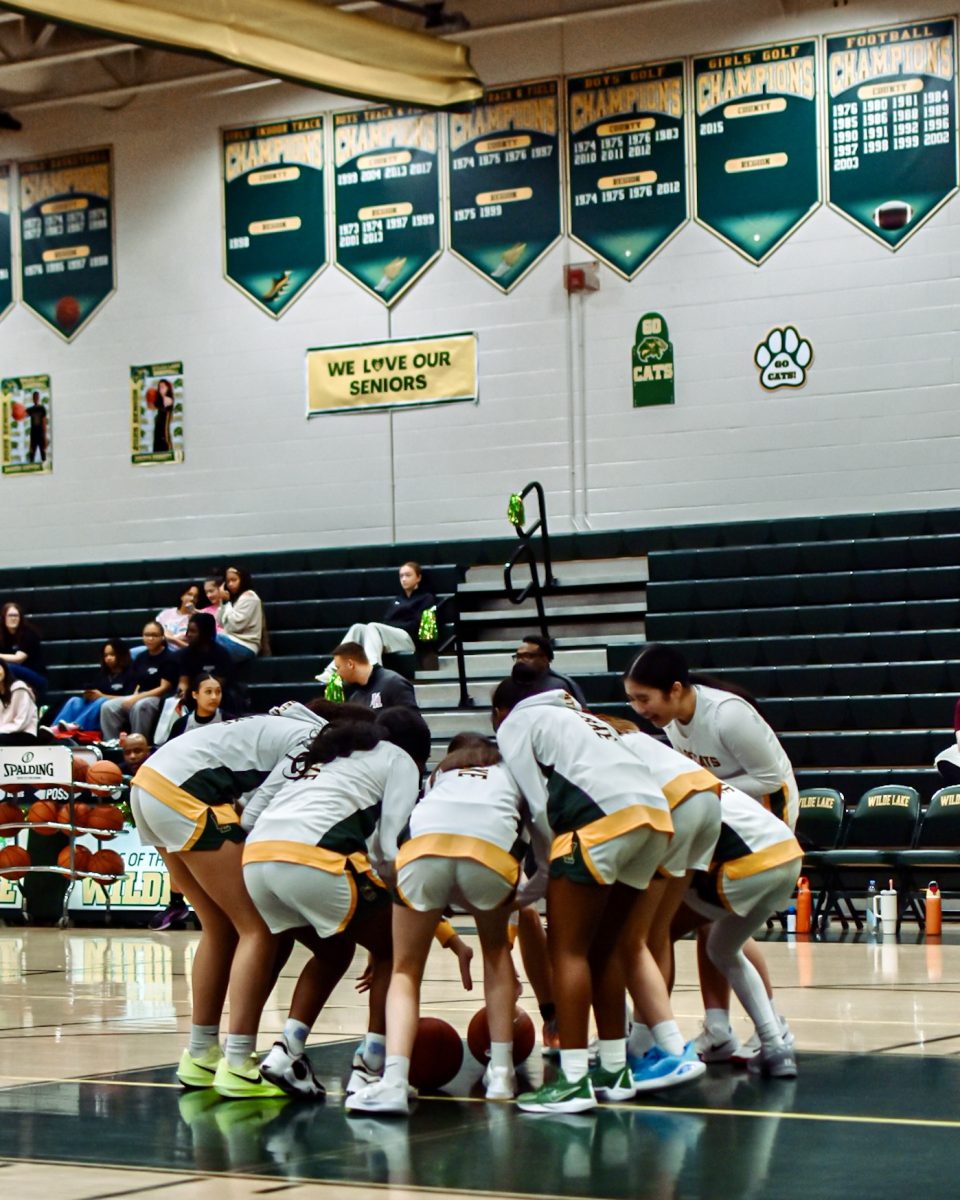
[
  {"x": 757, "y": 171},
  {"x": 6, "y": 242},
  {"x": 66, "y": 237},
  {"x": 275, "y": 239},
  {"x": 504, "y": 171},
  {"x": 27, "y": 425},
  {"x": 156, "y": 413},
  {"x": 386, "y": 197},
  {"x": 393, "y": 374},
  {"x": 627, "y": 162},
  {"x": 892, "y": 123}
]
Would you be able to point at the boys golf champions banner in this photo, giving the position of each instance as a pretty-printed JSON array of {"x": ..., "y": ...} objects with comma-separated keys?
[
  {"x": 27, "y": 425},
  {"x": 275, "y": 240}
]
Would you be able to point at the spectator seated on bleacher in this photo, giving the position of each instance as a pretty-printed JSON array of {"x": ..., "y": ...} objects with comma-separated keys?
[
  {"x": 174, "y": 620},
  {"x": 20, "y": 648},
  {"x": 240, "y": 617},
  {"x": 115, "y": 679},
  {"x": 18, "y": 711},
  {"x": 537, "y": 652},
  {"x": 212, "y": 590},
  {"x": 204, "y": 708},
  {"x": 369, "y": 683},
  {"x": 155, "y": 673},
  {"x": 398, "y": 630},
  {"x": 204, "y": 655},
  {"x": 947, "y": 761}
]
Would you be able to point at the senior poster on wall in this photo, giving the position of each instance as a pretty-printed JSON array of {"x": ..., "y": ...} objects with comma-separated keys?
[
  {"x": 275, "y": 239},
  {"x": 892, "y": 125},
  {"x": 6, "y": 242},
  {"x": 27, "y": 425},
  {"x": 757, "y": 167},
  {"x": 66, "y": 238},
  {"x": 627, "y": 162},
  {"x": 156, "y": 413},
  {"x": 504, "y": 170},
  {"x": 386, "y": 197}
]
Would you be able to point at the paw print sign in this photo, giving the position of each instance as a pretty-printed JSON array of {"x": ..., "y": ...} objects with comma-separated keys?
[{"x": 782, "y": 358}]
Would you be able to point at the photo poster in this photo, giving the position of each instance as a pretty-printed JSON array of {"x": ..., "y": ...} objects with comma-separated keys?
[
  {"x": 274, "y": 223},
  {"x": 892, "y": 126},
  {"x": 756, "y": 157},
  {"x": 27, "y": 425},
  {"x": 503, "y": 159},
  {"x": 626, "y": 155},
  {"x": 6, "y": 241},
  {"x": 386, "y": 197},
  {"x": 66, "y": 238},
  {"x": 156, "y": 397}
]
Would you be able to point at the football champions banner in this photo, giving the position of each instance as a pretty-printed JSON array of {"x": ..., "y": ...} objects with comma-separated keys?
[
  {"x": 66, "y": 238},
  {"x": 392, "y": 374},
  {"x": 892, "y": 122},
  {"x": 386, "y": 196},
  {"x": 504, "y": 171},
  {"x": 275, "y": 239},
  {"x": 757, "y": 171},
  {"x": 156, "y": 413},
  {"x": 27, "y": 425},
  {"x": 627, "y": 162},
  {"x": 6, "y": 242}
]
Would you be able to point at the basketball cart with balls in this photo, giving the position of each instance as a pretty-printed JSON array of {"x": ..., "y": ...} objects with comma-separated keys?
[{"x": 92, "y": 787}]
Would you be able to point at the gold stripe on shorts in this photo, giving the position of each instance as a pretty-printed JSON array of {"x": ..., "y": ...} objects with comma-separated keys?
[
  {"x": 624, "y": 820},
  {"x": 160, "y": 788},
  {"x": 682, "y": 787},
  {"x": 456, "y": 845},
  {"x": 762, "y": 860},
  {"x": 298, "y": 853}
]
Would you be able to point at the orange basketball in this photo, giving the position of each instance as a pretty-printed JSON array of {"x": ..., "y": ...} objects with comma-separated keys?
[
  {"x": 81, "y": 858},
  {"x": 79, "y": 768},
  {"x": 437, "y": 1054},
  {"x": 104, "y": 774},
  {"x": 17, "y": 411},
  {"x": 151, "y": 397},
  {"x": 106, "y": 817},
  {"x": 106, "y": 865},
  {"x": 67, "y": 312},
  {"x": 478, "y": 1036},
  {"x": 40, "y": 812},
  {"x": 10, "y": 814},
  {"x": 13, "y": 856},
  {"x": 81, "y": 814}
]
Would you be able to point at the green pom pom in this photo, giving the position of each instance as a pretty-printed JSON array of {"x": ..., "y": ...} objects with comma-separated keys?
[
  {"x": 515, "y": 513},
  {"x": 428, "y": 625},
  {"x": 334, "y": 689}
]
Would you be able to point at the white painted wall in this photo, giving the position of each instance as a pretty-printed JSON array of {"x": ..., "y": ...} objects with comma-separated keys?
[{"x": 876, "y": 427}]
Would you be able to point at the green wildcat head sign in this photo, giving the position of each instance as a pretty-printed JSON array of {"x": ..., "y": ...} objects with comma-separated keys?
[{"x": 652, "y": 359}]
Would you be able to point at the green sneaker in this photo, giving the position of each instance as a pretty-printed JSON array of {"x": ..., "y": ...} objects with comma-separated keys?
[
  {"x": 560, "y": 1096},
  {"x": 613, "y": 1085},
  {"x": 243, "y": 1083},
  {"x": 199, "y": 1072}
]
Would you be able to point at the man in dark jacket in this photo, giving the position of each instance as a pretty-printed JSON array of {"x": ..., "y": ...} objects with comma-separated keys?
[
  {"x": 537, "y": 652},
  {"x": 369, "y": 683}
]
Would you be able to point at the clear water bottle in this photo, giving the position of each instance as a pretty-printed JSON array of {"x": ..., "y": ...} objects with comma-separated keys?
[{"x": 871, "y": 911}]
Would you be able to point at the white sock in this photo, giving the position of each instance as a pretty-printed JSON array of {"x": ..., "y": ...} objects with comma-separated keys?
[
  {"x": 396, "y": 1070},
  {"x": 239, "y": 1047},
  {"x": 575, "y": 1064},
  {"x": 374, "y": 1050},
  {"x": 717, "y": 1021},
  {"x": 640, "y": 1040},
  {"x": 668, "y": 1037},
  {"x": 295, "y": 1034},
  {"x": 613, "y": 1054},
  {"x": 202, "y": 1037},
  {"x": 501, "y": 1055}
]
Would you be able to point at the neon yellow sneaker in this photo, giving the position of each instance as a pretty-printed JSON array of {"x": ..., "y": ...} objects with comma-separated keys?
[
  {"x": 199, "y": 1072},
  {"x": 243, "y": 1083}
]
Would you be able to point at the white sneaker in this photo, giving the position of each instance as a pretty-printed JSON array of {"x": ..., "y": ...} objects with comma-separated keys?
[
  {"x": 751, "y": 1047},
  {"x": 500, "y": 1082},
  {"x": 325, "y": 675},
  {"x": 380, "y": 1097},
  {"x": 774, "y": 1064},
  {"x": 712, "y": 1048},
  {"x": 292, "y": 1073},
  {"x": 361, "y": 1073}
]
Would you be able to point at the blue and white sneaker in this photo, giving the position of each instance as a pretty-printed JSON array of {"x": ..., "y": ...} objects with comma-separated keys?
[{"x": 657, "y": 1069}]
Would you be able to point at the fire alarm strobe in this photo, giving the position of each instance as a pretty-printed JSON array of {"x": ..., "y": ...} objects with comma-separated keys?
[{"x": 581, "y": 277}]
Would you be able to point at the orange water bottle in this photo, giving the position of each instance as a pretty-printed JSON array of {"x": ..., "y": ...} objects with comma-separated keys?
[
  {"x": 804, "y": 904},
  {"x": 934, "y": 911}
]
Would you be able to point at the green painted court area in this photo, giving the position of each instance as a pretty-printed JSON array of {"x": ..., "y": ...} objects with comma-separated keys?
[{"x": 855, "y": 1125}]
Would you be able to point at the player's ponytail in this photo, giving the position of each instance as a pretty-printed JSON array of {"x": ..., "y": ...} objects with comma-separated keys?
[{"x": 339, "y": 739}]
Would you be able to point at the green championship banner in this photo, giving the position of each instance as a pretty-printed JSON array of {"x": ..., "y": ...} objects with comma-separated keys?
[
  {"x": 66, "y": 238},
  {"x": 275, "y": 238},
  {"x": 626, "y": 155},
  {"x": 386, "y": 196},
  {"x": 504, "y": 171},
  {"x": 393, "y": 374},
  {"x": 892, "y": 121},
  {"x": 6, "y": 242},
  {"x": 27, "y": 425},
  {"x": 156, "y": 413},
  {"x": 757, "y": 171}
]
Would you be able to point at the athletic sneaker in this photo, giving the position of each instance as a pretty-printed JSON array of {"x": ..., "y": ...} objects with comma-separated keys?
[
  {"x": 361, "y": 1073},
  {"x": 713, "y": 1048},
  {"x": 325, "y": 675},
  {"x": 613, "y": 1085},
  {"x": 177, "y": 911},
  {"x": 658, "y": 1069},
  {"x": 244, "y": 1083},
  {"x": 199, "y": 1072},
  {"x": 380, "y": 1097},
  {"x": 500, "y": 1082},
  {"x": 292, "y": 1073},
  {"x": 751, "y": 1048},
  {"x": 550, "y": 1039},
  {"x": 774, "y": 1064},
  {"x": 560, "y": 1096}
]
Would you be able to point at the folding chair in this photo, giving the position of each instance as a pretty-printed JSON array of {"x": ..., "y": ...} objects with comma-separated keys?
[
  {"x": 819, "y": 821},
  {"x": 936, "y": 852}
]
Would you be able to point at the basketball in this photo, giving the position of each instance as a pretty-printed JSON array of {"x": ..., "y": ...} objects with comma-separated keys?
[
  {"x": 81, "y": 858},
  {"x": 104, "y": 774},
  {"x": 106, "y": 866},
  {"x": 10, "y": 814},
  {"x": 105, "y": 817},
  {"x": 151, "y": 397},
  {"x": 40, "y": 812},
  {"x": 80, "y": 768},
  {"x": 81, "y": 814},
  {"x": 17, "y": 411},
  {"x": 68, "y": 312},
  {"x": 524, "y": 1036},
  {"x": 437, "y": 1054},
  {"x": 10, "y": 857}
]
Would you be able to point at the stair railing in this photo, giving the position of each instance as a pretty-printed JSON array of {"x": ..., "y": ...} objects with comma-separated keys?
[
  {"x": 449, "y": 608},
  {"x": 526, "y": 552}
]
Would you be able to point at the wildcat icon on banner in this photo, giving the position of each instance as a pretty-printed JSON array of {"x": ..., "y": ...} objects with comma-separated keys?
[
  {"x": 156, "y": 416},
  {"x": 27, "y": 425}
]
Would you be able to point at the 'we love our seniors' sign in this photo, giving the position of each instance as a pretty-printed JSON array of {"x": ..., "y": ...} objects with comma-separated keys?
[{"x": 392, "y": 374}]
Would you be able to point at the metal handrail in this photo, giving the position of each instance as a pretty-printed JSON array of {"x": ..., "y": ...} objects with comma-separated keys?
[
  {"x": 456, "y": 640},
  {"x": 525, "y": 551}
]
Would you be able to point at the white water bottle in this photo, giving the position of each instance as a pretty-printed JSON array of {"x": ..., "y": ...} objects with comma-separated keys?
[{"x": 871, "y": 910}]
